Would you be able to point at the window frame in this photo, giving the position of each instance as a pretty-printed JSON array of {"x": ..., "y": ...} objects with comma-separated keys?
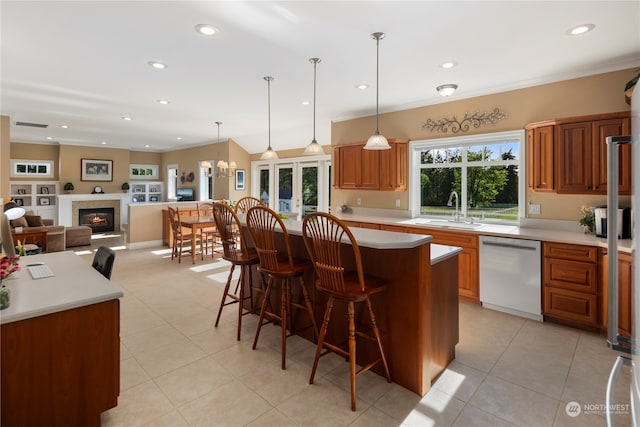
[{"x": 418, "y": 146}]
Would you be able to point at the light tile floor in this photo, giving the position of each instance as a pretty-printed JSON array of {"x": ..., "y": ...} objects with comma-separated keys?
[{"x": 178, "y": 370}]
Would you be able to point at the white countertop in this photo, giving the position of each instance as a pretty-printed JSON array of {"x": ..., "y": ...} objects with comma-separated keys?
[
  {"x": 531, "y": 233},
  {"x": 75, "y": 284}
]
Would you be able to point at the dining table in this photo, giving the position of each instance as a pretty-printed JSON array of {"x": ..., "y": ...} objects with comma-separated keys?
[{"x": 196, "y": 224}]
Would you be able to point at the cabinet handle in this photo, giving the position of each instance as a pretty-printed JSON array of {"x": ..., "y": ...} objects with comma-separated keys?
[
  {"x": 588, "y": 187},
  {"x": 596, "y": 187}
]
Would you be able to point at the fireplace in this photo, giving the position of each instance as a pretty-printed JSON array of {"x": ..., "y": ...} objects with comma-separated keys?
[{"x": 99, "y": 219}]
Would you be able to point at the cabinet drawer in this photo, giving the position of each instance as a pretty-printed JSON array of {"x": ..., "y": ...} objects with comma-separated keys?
[
  {"x": 571, "y": 252},
  {"x": 571, "y": 305},
  {"x": 573, "y": 275}
]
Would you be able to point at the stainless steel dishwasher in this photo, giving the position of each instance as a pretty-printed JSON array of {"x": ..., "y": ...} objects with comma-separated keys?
[{"x": 510, "y": 278}]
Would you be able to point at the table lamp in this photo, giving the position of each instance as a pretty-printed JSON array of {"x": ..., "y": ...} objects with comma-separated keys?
[{"x": 13, "y": 211}]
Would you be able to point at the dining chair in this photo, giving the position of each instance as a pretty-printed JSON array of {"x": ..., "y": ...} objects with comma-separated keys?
[
  {"x": 103, "y": 261},
  {"x": 281, "y": 268},
  {"x": 181, "y": 235},
  {"x": 210, "y": 235},
  {"x": 244, "y": 204},
  {"x": 237, "y": 252},
  {"x": 329, "y": 241}
]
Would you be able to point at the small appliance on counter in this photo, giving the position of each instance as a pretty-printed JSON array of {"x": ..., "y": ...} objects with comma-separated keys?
[{"x": 624, "y": 222}]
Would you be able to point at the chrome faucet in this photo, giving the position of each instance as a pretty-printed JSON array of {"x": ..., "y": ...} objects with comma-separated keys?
[{"x": 456, "y": 214}]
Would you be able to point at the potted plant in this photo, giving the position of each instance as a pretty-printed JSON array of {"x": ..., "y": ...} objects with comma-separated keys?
[
  {"x": 125, "y": 187},
  {"x": 68, "y": 187}
]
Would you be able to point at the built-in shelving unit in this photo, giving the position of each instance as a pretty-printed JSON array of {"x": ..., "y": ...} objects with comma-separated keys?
[
  {"x": 145, "y": 192},
  {"x": 37, "y": 196}
]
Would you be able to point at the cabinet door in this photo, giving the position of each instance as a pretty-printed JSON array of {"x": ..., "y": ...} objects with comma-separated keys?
[
  {"x": 370, "y": 170},
  {"x": 349, "y": 166},
  {"x": 571, "y": 305},
  {"x": 540, "y": 159},
  {"x": 574, "y": 157},
  {"x": 393, "y": 167},
  {"x": 625, "y": 293},
  {"x": 601, "y": 130}
]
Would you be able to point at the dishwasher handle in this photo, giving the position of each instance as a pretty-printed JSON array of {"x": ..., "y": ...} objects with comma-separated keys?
[{"x": 509, "y": 245}]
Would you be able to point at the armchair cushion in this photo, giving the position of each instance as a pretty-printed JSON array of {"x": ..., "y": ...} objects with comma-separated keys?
[{"x": 20, "y": 222}]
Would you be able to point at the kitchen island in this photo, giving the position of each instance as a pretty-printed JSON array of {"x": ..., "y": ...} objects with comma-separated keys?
[
  {"x": 417, "y": 314},
  {"x": 60, "y": 345}
]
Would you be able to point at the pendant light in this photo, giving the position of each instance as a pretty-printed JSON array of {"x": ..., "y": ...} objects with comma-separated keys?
[
  {"x": 269, "y": 154},
  {"x": 377, "y": 141},
  {"x": 314, "y": 148}
]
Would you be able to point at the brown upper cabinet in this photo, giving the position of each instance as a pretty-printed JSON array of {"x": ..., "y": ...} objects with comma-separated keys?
[
  {"x": 569, "y": 156},
  {"x": 359, "y": 169}
]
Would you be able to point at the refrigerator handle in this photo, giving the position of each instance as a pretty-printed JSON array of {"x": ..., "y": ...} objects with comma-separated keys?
[{"x": 611, "y": 385}]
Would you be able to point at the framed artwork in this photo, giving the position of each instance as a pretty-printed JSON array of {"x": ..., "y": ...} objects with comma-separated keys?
[
  {"x": 19, "y": 202},
  {"x": 31, "y": 168},
  {"x": 96, "y": 170},
  {"x": 143, "y": 171},
  {"x": 22, "y": 191},
  {"x": 153, "y": 198},
  {"x": 44, "y": 201},
  {"x": 240, "y": 179},
  {"x": 44, "y": 190}
]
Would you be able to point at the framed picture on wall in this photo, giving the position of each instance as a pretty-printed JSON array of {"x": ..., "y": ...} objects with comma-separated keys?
[
  {"x": 31, "y": 168},
  {"x": 143, "y": 171},
  {"x": 240, "y": 179},
  {"x": 96, "y": 170}
]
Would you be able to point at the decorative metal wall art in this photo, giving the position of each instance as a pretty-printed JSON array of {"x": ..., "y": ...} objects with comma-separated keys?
[{"x": 477, "y": 119}]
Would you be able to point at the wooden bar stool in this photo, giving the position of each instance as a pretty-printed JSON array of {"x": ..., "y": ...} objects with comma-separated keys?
[
  {"x": 209, "y": 234},
  {"x": 323, "y": 236},
  {"x": 281, "y": 267},
  {"x": 237, "y": 252},
  {"x": 246, "y": 203}
]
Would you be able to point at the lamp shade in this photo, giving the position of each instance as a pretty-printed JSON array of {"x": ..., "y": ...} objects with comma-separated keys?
[
  {"x": 313, "y": 149},
  {"x": 377, "y": 142},
  {"x": 13, "y": 211},
  {"x": 269, "y": 155}
]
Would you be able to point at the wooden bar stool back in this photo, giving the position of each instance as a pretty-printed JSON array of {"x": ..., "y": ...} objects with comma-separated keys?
[
  {"x": 210, "y": 235},
  {"x": 281, "y": 267},
  {"x": 246, "y": 203},
  {"x": 328, "y": 239},
  {"x": 181, "y": 236},
  {"x": 238, "y": 253}
]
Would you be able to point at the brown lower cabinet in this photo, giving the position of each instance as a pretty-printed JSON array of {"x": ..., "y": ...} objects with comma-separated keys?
[{"x": 625, "y": 292}]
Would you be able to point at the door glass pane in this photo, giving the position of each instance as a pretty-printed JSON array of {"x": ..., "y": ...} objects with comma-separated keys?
[
  {"x": 309, "y": 190},
  {"x": 264, "y": 186},
  {"x": 284, "y": 203}
]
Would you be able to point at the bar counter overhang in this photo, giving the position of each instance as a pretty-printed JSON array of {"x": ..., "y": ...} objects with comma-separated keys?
[{"x": 417, "y": 314}]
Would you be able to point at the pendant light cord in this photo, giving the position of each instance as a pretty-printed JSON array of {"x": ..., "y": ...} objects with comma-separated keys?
[
  {"x": 268, "y": 79},
  {"x": 315, "y": 64},
  {"x": 377, "y": 79}
]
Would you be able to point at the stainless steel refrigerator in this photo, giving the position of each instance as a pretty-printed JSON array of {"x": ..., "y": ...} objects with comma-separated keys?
[{"x": 615, "y": 341}]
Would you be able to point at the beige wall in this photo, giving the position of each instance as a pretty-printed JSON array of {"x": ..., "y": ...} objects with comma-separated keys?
[
  {"x": 70, "y": 167},
  {"x": 601, "y": 93}
]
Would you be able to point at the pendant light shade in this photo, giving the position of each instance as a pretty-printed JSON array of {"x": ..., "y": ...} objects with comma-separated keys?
[
  {"x": 314, "y": 149},
  {"x": 269, "y": 154},
  {"x": 377, "y": 141}
]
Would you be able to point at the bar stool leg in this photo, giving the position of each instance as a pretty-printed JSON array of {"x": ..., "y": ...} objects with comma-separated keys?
[
  {"x": 323, "y": 333},
  {"x": 240, "y": 301},
  {"x": 284, "y": 303},
  {"x": 352, "y": 354},
  {"x": 265, "y": 301},
  {"x": 224, "y": 294},
  {"x": 307, "y": 302},
  {"x": 376, "y": 332}
]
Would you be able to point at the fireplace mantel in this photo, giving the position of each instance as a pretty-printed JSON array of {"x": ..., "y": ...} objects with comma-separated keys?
[{"x": 65, "y": 205}]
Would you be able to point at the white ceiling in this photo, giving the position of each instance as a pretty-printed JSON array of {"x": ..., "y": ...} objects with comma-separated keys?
[{"x": 84, "y": 64}]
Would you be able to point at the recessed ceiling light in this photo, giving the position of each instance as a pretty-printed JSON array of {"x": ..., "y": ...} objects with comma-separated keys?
[
  {"x": 449, "y": 64},
  {"x": 64, "y": 126},
  {"x": 178, "y": 138},
  {"x": 158, "y": 65},
  {"x": 581, "y": 29},
  {"x": 104, "y": 143},
  {"x": 49, "y": 137},
  {"x": 362, "y": 86},
  {"x": 146, "y": 146},
  {"x": 206, "y": 29},
  {"x": 305, "y": 102},
  {"x": 163, "y": 101},
  {"x": 127, "y": 118}
]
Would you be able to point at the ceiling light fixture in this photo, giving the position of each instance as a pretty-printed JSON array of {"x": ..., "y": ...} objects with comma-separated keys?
[
  {"x": 163, "y": 102},
  {"x": 314, "y": 148},
  {"x": 178, "y": 138},
  {"x": 158, "y": 65},
  {"x": 269, "y": 154},
  {"x": 447, "y": 90},
  {"x": 49, "y": 137},
  {"x": 448, "y": 64},
  {"x": 146, "y": 146},
  {"x": 64, "y": 126},
  {"x": 362, "y": 86},
  {"x": 206, "y": 29},
  {"x": 305, "y": 103},
  {"x": 127, "y": 118},
  {"x": 377, "y": 141},
  {"x": 104, "y": 143},
  {"x": 581, "y": 29},
  {"x": 222, "y": 165}
]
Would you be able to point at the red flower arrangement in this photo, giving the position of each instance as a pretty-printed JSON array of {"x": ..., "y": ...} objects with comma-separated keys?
[{"x": 7, "y": 266}]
